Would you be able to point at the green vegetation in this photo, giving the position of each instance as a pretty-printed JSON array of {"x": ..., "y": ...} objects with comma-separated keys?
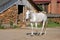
[
  {"x": 50, "y": 24},
  {"x": 15, "y": 26},
  {"x": 40, "y": 6},
  {"x": 1, "y": 26},
  {"x": 53, "y": 24},
  {"x": 11, "y": 24}
]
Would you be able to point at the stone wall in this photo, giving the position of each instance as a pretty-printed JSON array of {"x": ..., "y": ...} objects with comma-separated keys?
[{"x": 8, "y": 16}]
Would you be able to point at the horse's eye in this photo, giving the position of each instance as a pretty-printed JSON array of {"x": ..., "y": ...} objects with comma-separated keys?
[{"x": 28, "y": 14}]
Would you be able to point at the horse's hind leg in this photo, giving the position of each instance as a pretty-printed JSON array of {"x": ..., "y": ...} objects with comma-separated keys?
[
  {"x": 36, "y": 29},
  {"x": 43, "y": 28},
  {"x": 32, "y": 28}
]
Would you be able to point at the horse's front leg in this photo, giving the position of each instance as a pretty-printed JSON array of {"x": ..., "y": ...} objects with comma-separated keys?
[
  {"x": 43, "y": 27},
  {"x": 36, "y": 27},
  {"x": 32, "y": 28}
]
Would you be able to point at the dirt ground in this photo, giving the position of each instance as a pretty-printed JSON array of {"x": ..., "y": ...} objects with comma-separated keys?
[{"x": 20, "y": 34}]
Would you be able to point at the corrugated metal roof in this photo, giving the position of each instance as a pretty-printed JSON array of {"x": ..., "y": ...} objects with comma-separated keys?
[{"x": 5, "y": 4}]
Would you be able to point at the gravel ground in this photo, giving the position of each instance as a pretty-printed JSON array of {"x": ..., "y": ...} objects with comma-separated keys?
[{"x": 20, "y": 34}]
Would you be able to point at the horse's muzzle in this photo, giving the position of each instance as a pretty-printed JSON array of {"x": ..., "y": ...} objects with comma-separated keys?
[{"x": 26, "y": 19}]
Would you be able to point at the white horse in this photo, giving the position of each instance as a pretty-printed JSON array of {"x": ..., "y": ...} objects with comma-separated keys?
[{"x": 35, "y": 18}]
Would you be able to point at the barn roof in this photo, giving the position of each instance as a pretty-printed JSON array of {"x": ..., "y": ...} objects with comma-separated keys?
[
  {"x": 5, "y": 4},
  {"x": 43, "y": 1}
]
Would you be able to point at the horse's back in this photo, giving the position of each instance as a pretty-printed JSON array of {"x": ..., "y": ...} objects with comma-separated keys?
[
  {"x": 38, "y": 17},
  {"x": 42, "y": 16}
]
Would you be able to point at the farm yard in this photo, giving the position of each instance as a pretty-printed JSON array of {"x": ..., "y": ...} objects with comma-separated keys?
[{"x": 20, "y": 34}]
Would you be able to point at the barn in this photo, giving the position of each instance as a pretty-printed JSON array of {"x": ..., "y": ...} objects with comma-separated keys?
[
  {"x": 50, "y": 6},
  {"x": 12, "y": 12}
]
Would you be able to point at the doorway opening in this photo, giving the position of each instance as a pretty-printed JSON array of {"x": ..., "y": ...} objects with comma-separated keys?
[{"x": 20, "y": 9}]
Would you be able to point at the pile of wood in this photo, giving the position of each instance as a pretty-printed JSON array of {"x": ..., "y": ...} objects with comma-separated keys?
[
  {"x": 56, "y": 20},
  {"x": 9, "y": 15},
  {"x": 54, "y": 17}
]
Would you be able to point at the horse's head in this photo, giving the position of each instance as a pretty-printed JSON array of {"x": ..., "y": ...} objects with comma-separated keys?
[{"x": 27, "y": 14}]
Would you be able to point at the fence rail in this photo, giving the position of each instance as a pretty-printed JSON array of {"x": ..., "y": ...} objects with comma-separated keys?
[{"x": 53, "y": 15}]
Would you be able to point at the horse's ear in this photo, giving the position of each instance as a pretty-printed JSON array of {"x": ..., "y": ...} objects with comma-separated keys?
[
  {"x": 36, "y": 11},
  {"x": 44, "y": 12},
  {"x": 27, "y": 8}
]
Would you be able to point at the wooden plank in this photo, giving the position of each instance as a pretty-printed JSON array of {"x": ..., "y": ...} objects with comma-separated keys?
[{"x": 53, "y": 15}]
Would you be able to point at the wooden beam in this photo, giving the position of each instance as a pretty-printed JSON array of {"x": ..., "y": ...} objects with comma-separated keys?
[{"x": 53, "y": 15}]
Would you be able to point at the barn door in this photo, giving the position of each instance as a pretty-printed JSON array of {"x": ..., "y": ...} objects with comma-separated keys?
[{"x": 20, "y": 9}]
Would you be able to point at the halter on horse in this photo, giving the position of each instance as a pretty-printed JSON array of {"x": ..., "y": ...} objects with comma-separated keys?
[{"x": 35, "y": 18}]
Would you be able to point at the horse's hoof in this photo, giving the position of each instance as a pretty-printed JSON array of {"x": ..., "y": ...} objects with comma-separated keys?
[
  {"x": 38, "y": 34},
  {"x": 28, "y": 33},
  {"x": 42, "y": 33},
  {"x": 32, "y": 34},
  {"x": 35, "y": 33}
]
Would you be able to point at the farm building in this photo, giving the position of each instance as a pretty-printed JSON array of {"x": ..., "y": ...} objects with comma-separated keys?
[
  {"x": 50, "y": 6},
  {"x": 13, "y": 11}
]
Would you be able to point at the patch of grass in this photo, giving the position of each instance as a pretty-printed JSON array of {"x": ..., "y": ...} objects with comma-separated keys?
[
  {"x": 53, "y": 24},
  {"x": 50, "y": 24},
  {"x": 1, "y": 27},
  {"x": 11, "y": 24},
  {"x": 15, "y": 26}
]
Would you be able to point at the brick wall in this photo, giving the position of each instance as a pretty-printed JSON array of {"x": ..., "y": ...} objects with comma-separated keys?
[
  {"x": 54, "y": 6},
  {"x": 58, "y": 8}
]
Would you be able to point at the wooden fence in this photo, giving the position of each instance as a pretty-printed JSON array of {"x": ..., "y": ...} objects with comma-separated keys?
[{"x": 54, "y": 17}]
